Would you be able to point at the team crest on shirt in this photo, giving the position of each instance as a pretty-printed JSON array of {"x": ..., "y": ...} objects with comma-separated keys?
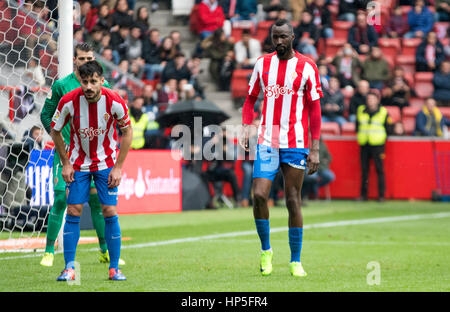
[{"x": 106, "y": 116}]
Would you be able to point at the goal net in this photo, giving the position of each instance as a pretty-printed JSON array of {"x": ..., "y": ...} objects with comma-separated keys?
[{"x": 28, "y": 68}]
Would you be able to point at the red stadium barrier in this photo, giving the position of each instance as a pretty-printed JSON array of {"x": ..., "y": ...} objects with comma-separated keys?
[{"x": 151, "y": 183}]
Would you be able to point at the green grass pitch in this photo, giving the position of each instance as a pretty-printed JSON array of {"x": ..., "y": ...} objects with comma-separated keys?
[{"x": 218, "y": 251}]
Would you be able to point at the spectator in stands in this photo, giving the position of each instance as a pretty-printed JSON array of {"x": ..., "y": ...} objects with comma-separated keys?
[
  {"x": 361, "y": 35},
  {"x": 176, "y": 38},
  {"x": 348, "y": 9},
  {"x": 323, "y": 176},
  {"x": 430, "y": 53},
  {"x": 150, "y": 98},
  {"x": 165, "y": 52},
  {"x": 35, "y": 73},
  {"x": 372, "y": 127},
  {"x": 442, "y": 10},
  {"x": 33, "y": 138},
  {"x": 210, "y": 18},
  {"x": 274, "y": 10},
  {"x": 398, "y": 129},
  {"x": 100, "y": 17},
  {"x": 298, "y": 6},
  {"x": 306, "y": 35},
  {"x": 150, "y": 47},
  {"x": 347, "y": 66},
  {"x": 142, "y": 22},
  {"x": 226, "y": 71},
  {"x": 119, "y": 41},
  {"x": 397, "y": 90},
  {"x": 134, "y": 43},
  {"x": 105, "y": 41},
  {"x": 121, "y": 15},
  {"x": 94, "y": 38},
  {"x": 332, "y": 103},
  {"x": 216, "y": 48},
  {"x": 247, "y": 50},
  {"x": 420, "y": 20},
  {"x": 398, "y": 24},
  {"x": 137, "y": 68},
  {"x": 324, "y": 77},
  {"x": 139, "y": 122},
  {"x": 168, "y": 94},
  {"x": 441, "y": 83},
  {"x": 77, "y": 36},
  {"x": 375, "y": 69},
  {"x": 246, "y": 10},
  {"x": 176, "y": 69},
  {"x": 430, "y": 121},
  {"x": 322, "y": 18},
  {"x": 358, "y": 99},
  {"x": 194, "y": 67},
  {"x": 119, "y": 77}
]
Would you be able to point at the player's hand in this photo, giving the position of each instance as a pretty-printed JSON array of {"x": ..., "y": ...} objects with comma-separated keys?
[
  {"x": 243, "y": 138},
  {"x": 67, "y": 173},
  {"x": 114, "y": 178},
  {"x": 313, "y": 161}
]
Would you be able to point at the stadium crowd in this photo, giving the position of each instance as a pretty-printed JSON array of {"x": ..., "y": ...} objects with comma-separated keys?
[{"x": 399, "y": 50}]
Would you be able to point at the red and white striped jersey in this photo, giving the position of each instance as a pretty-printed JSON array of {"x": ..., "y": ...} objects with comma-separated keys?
[
  {"x": 290, "y": 88},
  {"x": 93, "y": 136}
]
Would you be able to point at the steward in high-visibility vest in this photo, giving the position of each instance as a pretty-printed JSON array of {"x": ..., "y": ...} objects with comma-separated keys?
[
  {"x": 371, "y": 128},
  {"x": 372, "y": 124},
  {"x": 140, "y": 122}
]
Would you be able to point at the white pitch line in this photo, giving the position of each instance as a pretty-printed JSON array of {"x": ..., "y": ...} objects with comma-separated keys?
[{"x": 273, "y": 230}]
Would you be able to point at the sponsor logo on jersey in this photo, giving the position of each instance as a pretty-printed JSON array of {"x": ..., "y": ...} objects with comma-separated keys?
[
  {"x": 277, "y": 90},
  {"x": 91, "y": 133}
]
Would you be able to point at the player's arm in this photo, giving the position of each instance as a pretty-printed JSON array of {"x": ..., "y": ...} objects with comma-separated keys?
[
  {"x": 59, "y": 120},
  {"x": 314, "y": 93},
  {"x": 50, "y": 106},
  {"x": 124, "y": 122},
  {"x": 254, "y": 87}
]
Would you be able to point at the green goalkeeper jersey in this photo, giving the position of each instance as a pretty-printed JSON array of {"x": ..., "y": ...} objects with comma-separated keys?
[{"x": 59, "y": 89}]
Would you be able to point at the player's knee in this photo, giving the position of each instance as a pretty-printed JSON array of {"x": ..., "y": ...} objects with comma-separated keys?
[
  {"x": 74, "y": 210},
  {"x": 259, "y": 196},
  {"x": 109, "y": 211}
]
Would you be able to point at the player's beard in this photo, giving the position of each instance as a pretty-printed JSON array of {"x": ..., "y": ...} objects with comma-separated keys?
[
  {"x": 283, "y": 51},
  {"x": 92, "y": 96}
]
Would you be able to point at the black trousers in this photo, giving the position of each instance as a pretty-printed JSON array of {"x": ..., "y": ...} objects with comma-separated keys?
[{"x": 377, "y": 153}]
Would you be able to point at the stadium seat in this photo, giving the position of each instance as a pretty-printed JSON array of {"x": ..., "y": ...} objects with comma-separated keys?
[
  {"x": 416, "y": 102},
  {"x": 410, "y": 111},
  {"x": 445, "y": 111},
  {"x": 348, "y": 129},
  {"x": 341, "y": 28},
  {"x": 330, "y": 128},
  {"x": 390, "y": 48},
  {"x": 262, "y": 31},
  {"x": 409, "y": 46},
  {"x": 423, "y": 84},
  {"x": 239, "y": 83},
  {"x": 409, "y": 124},
  {"x": 407, "y": 62},
  {"x": 410, "y": 79},
  {"x": 394, "y": 112},
  {"x": 332, "y": 46}
]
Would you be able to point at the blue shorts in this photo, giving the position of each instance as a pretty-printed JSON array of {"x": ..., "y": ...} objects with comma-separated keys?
[
  {"x": 268, "y": 159},
  {"x": 80, "y": 187}
]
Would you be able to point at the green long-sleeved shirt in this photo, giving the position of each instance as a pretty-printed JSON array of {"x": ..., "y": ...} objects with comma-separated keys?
[{"x": 59, "y": 89}]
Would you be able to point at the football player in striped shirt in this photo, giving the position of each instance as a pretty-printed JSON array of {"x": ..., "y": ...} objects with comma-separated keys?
[
  {"x": 291, "y": 109},
  {"x": 92, "y": 112}
]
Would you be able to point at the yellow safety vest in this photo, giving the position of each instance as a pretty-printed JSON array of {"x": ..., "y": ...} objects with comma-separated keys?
[
  {"x": 371, "y": 130},
  {"x": 138, "y": 131}
]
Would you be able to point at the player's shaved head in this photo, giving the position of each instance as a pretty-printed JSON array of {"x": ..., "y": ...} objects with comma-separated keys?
[{"x": 282, "y": 38}]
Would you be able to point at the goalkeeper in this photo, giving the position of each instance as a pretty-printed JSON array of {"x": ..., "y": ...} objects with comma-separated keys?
[{"x": 83, "y": 53}]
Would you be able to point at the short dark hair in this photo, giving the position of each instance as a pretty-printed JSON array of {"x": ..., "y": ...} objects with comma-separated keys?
[
  {"x": 86, "y": 47},
  {"x": 282, "y": 22},
  {"x": 90, "y": 68},
  {"x": 376, "y": 94}
]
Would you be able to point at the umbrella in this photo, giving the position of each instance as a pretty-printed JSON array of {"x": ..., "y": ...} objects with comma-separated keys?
[{"x": 184, "y": 112}]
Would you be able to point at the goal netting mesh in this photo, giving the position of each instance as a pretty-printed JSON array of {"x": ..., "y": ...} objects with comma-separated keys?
[{"x": 28, "y": 68}]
